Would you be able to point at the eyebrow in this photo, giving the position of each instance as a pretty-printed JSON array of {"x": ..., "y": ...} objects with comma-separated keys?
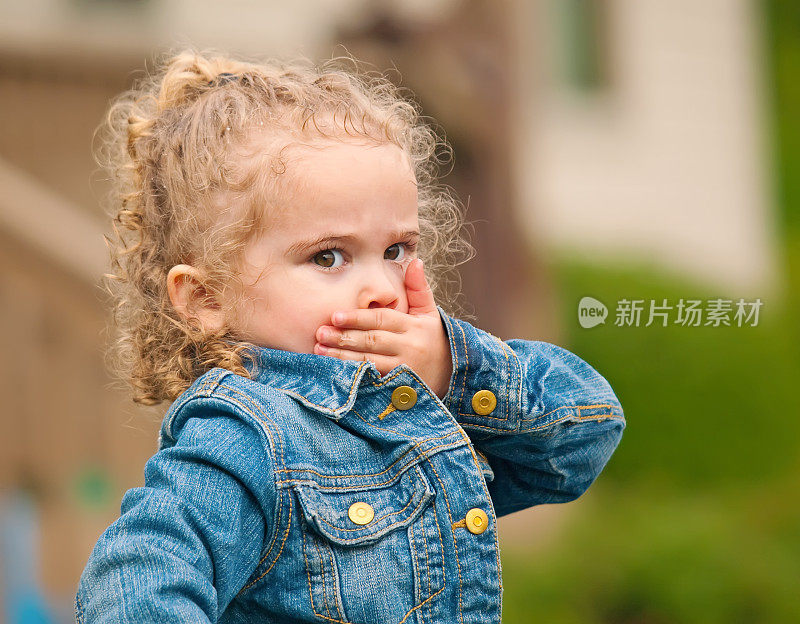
[{"x": 333, "y": 238}]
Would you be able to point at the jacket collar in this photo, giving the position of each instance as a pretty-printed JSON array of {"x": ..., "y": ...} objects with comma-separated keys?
[{"x": 322, "y": 383}]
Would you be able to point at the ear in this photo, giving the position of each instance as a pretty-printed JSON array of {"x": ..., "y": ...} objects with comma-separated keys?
[{"x": 191, "y": 299}]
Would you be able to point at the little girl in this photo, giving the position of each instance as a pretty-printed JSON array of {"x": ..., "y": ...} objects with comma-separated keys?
[{"x": 338, "y": 447}]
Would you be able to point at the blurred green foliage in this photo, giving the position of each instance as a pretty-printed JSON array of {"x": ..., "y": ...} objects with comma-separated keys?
[
  {"x": 714, "y": 399},
  {"x": 696, "y": 518},
  {"x": 783, "y": 47}
]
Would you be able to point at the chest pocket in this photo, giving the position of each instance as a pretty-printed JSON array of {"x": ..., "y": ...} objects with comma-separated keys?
[{"x": 371, "y": 554}]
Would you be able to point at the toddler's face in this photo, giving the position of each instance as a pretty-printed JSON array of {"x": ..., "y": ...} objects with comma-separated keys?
[{"x": 341, "y": 240}]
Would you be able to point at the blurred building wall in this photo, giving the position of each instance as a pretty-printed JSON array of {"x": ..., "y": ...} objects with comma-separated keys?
[{"x": 648, "y": 139}]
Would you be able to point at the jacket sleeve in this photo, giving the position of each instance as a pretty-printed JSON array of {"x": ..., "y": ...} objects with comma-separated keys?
[
  {"x": 187, "y": 541},
  {"x": 555, "y": 423}
]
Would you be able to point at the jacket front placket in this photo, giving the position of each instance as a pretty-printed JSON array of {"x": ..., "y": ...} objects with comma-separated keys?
[{"x": 456, "y": 558}]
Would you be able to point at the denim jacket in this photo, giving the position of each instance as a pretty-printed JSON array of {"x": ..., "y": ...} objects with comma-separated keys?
[{"x": 321, "y": 491}]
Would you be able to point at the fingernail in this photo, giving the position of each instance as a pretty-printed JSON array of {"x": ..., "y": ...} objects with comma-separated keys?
[{"x": 338, "y": 317}]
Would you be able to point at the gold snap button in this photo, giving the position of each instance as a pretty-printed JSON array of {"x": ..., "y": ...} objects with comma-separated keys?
[
  {"x": 361, "y": 513},
  {"x": 484, "y": 402},
  {"x": 404, "y": 397},
  {"x": 477, "y": 521}
]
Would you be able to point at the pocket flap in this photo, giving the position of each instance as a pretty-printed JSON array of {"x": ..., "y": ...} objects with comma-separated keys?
[{"x": 395, "y": 505}]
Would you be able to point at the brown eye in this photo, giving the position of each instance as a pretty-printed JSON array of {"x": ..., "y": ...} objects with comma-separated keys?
[
  {"x": 327, "y": 258},
  {"x": 396, "y": 252}
]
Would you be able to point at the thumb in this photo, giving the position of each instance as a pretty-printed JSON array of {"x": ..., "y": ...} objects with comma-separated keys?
[{"x": 419, "y": 294}]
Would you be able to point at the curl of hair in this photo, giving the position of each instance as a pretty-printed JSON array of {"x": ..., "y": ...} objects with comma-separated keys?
[{"x": 168, "y": 143}]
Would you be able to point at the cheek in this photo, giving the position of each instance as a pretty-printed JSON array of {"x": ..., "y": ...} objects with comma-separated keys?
[{"x": 309, "y": 312}]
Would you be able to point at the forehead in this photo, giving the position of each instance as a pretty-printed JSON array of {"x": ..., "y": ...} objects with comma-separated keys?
[{"x": 348, "y": 184}]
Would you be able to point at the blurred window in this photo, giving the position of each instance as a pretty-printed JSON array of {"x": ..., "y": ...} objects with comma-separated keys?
[{"x": 580, "y": 29}]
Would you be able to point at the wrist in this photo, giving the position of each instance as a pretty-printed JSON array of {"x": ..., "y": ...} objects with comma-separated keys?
[
  {"x": 446, "y": 368},
  {"x": 444, "y": 382}
]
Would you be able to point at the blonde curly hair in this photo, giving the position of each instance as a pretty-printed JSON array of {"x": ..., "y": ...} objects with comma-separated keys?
[{"x": 168, "y": 145}]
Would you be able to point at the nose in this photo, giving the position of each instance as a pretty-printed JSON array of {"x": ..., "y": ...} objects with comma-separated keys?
[{"x": 378, "y": 288}]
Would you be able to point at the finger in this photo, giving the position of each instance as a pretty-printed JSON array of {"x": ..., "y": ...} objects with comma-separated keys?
[
  {"x": 370, "y": 340},
  {"x": 383, "y": 363},
  {"x": 418, "y": 292},
  {"x": 385, "y": 319}
]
